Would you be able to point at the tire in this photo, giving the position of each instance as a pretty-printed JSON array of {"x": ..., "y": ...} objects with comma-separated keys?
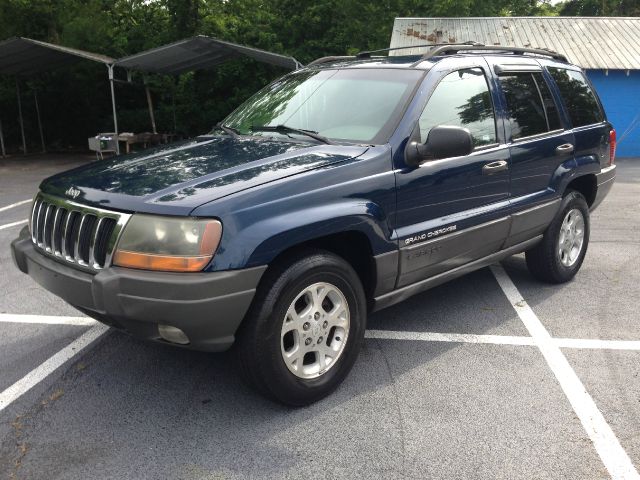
[
  {"x": 274, "y": 362},
  {"x": 553, "y": 262}
]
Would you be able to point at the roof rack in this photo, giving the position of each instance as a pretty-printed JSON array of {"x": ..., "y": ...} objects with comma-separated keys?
[
  {"x": 437, "y": 49},
  {"x": 455, "y": 48},
  {"x": 367, "y": 54},
  {"x": 332, "y": 58}
]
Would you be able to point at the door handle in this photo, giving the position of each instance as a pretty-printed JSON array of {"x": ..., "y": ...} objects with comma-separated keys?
[
  {"x": 495, "y": 167},
  {"x": 564, "y": 148}
]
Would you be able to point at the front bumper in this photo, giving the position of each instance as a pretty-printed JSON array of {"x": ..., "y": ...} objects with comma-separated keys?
[
  {"x": 207, "y": 307},
  {"x": 604, "y": 181}
]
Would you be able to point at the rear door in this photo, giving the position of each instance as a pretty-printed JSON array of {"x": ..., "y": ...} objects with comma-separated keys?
[
  {"x": 540, "y": 142},
  {"x": 590, "y": 128},
  {"x": 449, "y": 210}
]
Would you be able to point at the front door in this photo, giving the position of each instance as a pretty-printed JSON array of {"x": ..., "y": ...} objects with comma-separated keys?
[{"x": 452, "y": 211}]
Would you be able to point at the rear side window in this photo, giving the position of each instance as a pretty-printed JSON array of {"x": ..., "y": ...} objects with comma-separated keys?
[
  {"x": 530, "y": 106},
  {"x": 580, "y": 100},
  {"x": 462, "y": 99}
]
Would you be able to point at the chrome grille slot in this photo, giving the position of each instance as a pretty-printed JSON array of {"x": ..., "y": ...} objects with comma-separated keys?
[
  {"x": 40, "y": 222},
  {"x": 73, "y": 227},
  {"x": 74, "y": 233},
  {"x": 58, "y": 223},
  {"x": 84, "y": 236},
  {"x": 104, "y": 230},
  {"x": 49, "y": 214}
]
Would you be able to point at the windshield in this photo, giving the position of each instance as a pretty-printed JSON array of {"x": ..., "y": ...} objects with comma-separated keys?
[{"x": 353, "y": 105}]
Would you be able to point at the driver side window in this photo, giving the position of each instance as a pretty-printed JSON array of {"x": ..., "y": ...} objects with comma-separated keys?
[{"x": 462, "y": 99}]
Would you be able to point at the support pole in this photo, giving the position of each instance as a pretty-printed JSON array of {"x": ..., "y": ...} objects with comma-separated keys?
[
  {"x": 173, "y": 106},
  {"x": 113, "y": 106},
  {"x": 35, "y": 98},
  {"x": 150, "y": 104},
  {"x": 24, "y": 140},
  {"x": 4, "y": 153}
]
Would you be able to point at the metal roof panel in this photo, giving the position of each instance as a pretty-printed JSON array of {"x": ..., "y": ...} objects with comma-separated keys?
[{"x": 590, "y": 42}]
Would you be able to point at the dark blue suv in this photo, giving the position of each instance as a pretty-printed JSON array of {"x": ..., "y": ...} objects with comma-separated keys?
[{"x": 337, "y": 190}]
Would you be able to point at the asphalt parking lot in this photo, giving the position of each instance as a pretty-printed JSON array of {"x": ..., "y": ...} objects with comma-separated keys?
[{"x": 493, "y": 375}]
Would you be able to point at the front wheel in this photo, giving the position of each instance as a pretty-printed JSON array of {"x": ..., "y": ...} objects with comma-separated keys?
[
  {"x": 304, "y": 330},
  {"x": 558, "y": 257}
]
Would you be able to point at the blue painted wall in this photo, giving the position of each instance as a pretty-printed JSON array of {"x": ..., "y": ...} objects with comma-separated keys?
[{"x": 620, "y": 95}]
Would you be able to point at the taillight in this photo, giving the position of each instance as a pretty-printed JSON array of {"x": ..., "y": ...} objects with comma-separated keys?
[{"x": 612, "y": 146}]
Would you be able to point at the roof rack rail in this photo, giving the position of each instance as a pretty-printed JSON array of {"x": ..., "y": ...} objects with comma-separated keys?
[
  {"x": 332, "y": 58},
  {"x": 367, "y": 53},
  {"x": 455, "y": 48},
  {"x": 437, "y": 49}
]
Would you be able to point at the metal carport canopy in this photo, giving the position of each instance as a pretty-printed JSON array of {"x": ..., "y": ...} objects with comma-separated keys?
[
  {"x": 23, "y": 57},
  {"x": 198, "y": 53}
]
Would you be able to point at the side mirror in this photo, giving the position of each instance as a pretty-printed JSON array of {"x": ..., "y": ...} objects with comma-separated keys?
[{"x": 443, "y": 141}]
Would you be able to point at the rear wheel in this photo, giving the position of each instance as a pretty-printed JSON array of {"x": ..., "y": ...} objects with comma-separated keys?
[
  {"x": 305, "y": 328},
  {"x": 558, "y": 257}
]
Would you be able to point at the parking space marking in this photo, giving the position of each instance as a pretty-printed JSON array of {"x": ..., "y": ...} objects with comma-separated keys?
[
  {"x": 597, "y": 344},
  {"x": 9, "y": 225},
  {"x": 615, "y": 459},
  {"x": 46, "y": 319},
  {"x": 54, "y": 362},
  {"x": 577, "y": 343},
  {"x": 17, "y": 204},
  {"x": 449, "y": 337}
]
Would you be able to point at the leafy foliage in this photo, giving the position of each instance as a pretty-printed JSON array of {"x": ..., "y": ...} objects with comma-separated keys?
[{"x": 75, "y": 102}]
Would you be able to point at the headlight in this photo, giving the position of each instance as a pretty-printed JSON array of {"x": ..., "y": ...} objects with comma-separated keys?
[{"x": 170, "y": 244}]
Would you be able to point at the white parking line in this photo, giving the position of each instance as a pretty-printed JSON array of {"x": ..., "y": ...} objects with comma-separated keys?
[
  {"x": 449, "y": 337},
  {"x": 54, "y": 362},
  {"x": 22, "y": 202},
  {"x": 46, "y": 319},
  {"x": 597, "y": 344},
  {"x": 9, "y": 225},
  {"x": 578, "y": 343},
  {"x": 613, "y": 456},
  {"x": 501, "y": 339}
]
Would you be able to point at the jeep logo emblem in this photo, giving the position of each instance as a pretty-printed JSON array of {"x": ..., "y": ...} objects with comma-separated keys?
[{"x": 73, "y": 192}]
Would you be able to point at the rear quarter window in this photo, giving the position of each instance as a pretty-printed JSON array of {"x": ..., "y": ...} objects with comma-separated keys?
[{"x": 579, "y": 98}]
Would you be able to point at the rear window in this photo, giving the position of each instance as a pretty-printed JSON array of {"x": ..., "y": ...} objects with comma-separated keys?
[
  {"x": 530, "y": 106},
  {"x": 578, "y": 96}
]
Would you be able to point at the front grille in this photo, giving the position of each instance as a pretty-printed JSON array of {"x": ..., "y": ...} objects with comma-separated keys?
[{"x": 74, "y": 233}]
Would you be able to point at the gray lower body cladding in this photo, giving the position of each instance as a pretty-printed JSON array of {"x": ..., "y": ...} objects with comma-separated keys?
[
  {"x": 431, "y": 263},
  {"x": 208, "y": 307},
  {"x": 604, "y": 182}
]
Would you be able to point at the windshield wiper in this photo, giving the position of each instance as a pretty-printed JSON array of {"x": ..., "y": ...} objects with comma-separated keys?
[
  {"x": 228, "y": 130},
  {"x": 287, "y": 129}
]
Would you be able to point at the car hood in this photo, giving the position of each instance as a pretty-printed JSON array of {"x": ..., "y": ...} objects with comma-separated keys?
[{"x": 175, "y": 179}]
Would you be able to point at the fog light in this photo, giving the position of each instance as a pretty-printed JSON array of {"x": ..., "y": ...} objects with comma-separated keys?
[{"x": 173, "y": 334}]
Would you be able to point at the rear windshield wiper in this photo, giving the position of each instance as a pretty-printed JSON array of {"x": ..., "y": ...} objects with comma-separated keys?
[
  {"x": 228, "y": 130},
  {"x": 287, "y": 129}
]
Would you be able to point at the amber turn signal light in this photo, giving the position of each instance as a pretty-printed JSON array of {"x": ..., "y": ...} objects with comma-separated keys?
[{"x": 165, "y": 263}]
